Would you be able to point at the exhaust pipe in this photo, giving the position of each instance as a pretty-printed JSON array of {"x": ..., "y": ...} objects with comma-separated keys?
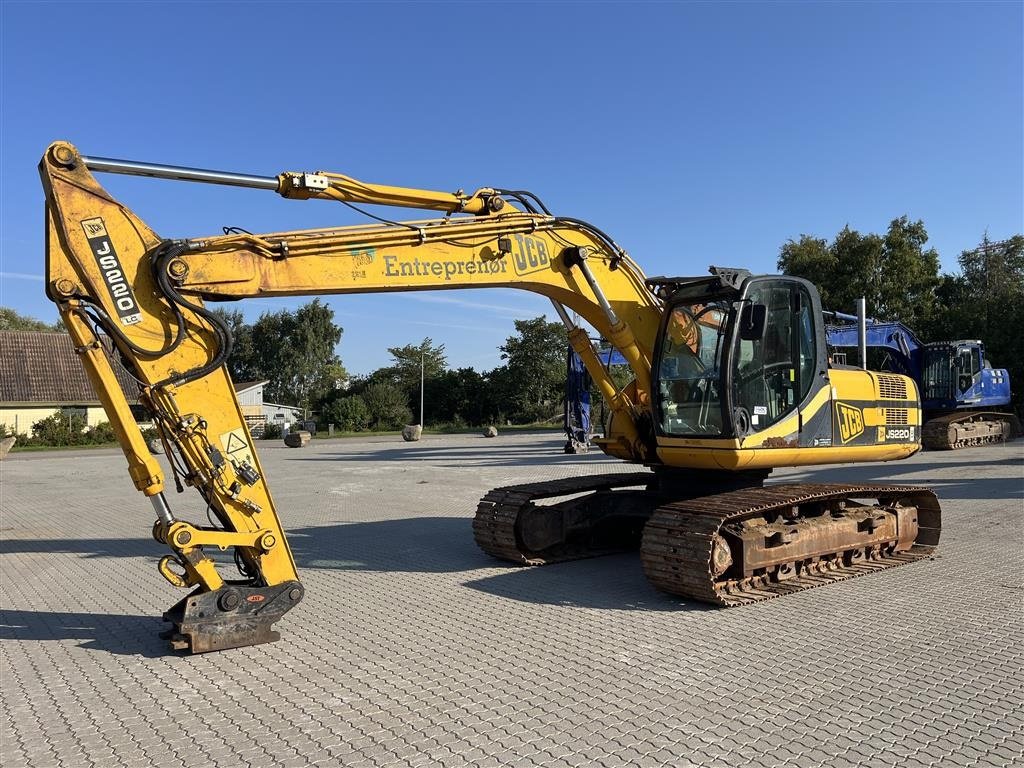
[{"x": 862, "y": 332}]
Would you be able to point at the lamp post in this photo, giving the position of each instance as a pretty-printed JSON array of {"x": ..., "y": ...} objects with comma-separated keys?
[{"x": 421, "y": 387}]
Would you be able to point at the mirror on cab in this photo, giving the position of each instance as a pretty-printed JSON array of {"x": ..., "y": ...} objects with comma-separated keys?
[{"x": 753, "y": 320}]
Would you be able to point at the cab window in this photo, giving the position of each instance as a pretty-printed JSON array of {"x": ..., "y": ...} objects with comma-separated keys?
[
  {"x": 968, "y": 363},
  {"x": 688, "y": 389},
  {"x": 773, "y": 374}
]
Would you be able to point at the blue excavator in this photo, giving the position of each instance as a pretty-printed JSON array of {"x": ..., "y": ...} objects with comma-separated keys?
[{"x": 959, "y": 388}]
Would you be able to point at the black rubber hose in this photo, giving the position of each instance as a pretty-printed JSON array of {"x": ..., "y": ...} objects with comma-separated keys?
[
  {"x": 521, "y": 194},
  {"x": 225, "y": 342}
]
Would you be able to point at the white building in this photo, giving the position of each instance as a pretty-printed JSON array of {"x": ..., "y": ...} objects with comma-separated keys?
[
  {"x": 258, "y": 413},
  {"x": 283, "y": 415}
]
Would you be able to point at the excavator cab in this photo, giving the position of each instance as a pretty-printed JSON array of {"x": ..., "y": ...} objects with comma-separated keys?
[
  {"x": 737, "y": 353},
  {"x": 689, "y": 384},
  {"x": 950, "y": 371}
]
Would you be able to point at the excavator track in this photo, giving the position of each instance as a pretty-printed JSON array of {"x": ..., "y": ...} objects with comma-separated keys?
[
  {"x": 964, "y": 430},
  {"x": 728, "y": 548},
  {"x": 708, "y": 548},
  {"x": 498, "y": 528}
]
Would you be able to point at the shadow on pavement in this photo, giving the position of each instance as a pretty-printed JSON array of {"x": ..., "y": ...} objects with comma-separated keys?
[
  {"x": 129, "y": 635},
  {"x": 612, "y": 582},
  {"x": 489, "y": 455},
  {"x": 957, "y": 481},
  {"x": 414, "y": 545},
  {"x": 445, "y": 545},
  {"x": 418, "y": 544}
]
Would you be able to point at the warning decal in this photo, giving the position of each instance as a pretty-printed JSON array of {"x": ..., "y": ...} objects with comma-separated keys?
[
  {"x": 236, "y": 446},
  {"x": 234, "y": 443}
]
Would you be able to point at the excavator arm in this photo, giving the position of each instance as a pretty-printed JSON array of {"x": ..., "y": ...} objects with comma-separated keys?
[{"x": 110, "y": 274}]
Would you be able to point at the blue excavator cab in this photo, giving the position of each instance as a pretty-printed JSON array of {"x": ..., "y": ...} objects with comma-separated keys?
[{"x": 957, "y": 376}]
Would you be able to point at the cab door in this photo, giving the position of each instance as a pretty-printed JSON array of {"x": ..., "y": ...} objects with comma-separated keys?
[{"x": 779, "y": 373}]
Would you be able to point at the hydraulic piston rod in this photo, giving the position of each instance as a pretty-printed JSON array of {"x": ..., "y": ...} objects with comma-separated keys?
[
  {"x": 132, "y": 168},
  {"x": 619, "y": 334},
  {"x": 613, "y": 319},
  {"x": 301, "y": 186}
]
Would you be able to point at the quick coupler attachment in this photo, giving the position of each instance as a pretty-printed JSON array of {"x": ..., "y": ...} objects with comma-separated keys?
[{"x": 233, "y": 616}]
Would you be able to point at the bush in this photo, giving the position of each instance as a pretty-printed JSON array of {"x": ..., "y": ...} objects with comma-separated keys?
[
  {"x": 66, "y": 427},
  {"x": 386, "y": 406},
  {"x": 535, "y": 414},
  {"x": 349, "y": 414},
  {"x": 272, "y": 431},
  {"x": 100, "y": 434}
]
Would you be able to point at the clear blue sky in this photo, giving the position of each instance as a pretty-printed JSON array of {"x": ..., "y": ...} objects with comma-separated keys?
[{"x": 693, "y": 133}]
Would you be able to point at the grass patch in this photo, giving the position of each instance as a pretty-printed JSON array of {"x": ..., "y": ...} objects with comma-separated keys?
[{"x": 83, "y": 447}]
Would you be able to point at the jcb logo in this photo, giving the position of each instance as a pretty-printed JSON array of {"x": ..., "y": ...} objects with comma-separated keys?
[
  {"x": 851, "y": 421},
  {"x": 94, "y": 228},
  {"x": 530, "y": 254}
]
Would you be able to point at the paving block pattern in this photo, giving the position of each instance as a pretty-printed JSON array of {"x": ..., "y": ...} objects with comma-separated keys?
[{"x": 413, "y": 648}]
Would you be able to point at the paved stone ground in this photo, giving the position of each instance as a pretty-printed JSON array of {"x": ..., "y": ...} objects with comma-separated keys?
[{"x": 412, "y": 648}]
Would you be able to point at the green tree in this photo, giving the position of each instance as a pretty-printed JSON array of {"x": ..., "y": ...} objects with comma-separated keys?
[
  {"x": 346, "y": 412},
  {"x": 293, "y": 351},
  {"x": 66, "y": 427},
  {"x": 895, "y": 272},
  {"x": 533, "y": 377},
  {"x": 995, "y": 270},
  {"x": 457, "y": 397},
  {"x": 386, "y": 406},
  {"x": 811, "y": 258},
  {"x": 13, "y": 321},
  {"x": 404, "y": 372},
  {"x": 242, "y": 364}
]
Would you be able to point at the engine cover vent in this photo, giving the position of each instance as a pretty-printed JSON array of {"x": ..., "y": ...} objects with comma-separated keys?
[
  {"x": 896, "y": 416},
  {"x": 892, "y": 387}
]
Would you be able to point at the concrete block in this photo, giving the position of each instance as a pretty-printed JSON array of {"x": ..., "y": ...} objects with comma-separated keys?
[{"x": 297, "y": 439}]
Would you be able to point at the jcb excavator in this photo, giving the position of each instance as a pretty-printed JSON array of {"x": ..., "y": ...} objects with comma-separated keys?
[{"x": 731, "y": 380}]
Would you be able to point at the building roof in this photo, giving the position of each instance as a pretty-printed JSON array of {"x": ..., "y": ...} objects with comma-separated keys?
[
  {"x": 285, "y": 407},
  {"x": 43, "y": 367},
  {"x": 242, "y": 386}
]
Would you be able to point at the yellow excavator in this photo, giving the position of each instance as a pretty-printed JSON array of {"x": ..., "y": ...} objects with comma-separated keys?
[{"x": 731, "y": 379}]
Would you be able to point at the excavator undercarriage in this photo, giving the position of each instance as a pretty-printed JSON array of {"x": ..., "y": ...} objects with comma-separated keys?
[
  {"x": 727, "y": 548},
  {"x": 965, "y": 429}
]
